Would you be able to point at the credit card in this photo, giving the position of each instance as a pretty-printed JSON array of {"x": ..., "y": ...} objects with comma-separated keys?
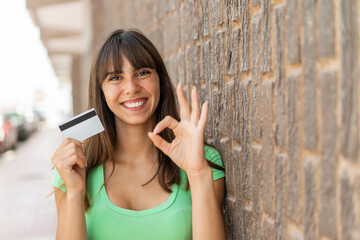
[{"x": 82, "y": 126}]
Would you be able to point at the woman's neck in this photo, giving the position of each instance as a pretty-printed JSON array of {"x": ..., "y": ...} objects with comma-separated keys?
[{"x": 134, "y": 147}]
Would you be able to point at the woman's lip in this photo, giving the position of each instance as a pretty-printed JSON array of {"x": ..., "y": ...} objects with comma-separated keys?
[{"x": 134, "y": 100}]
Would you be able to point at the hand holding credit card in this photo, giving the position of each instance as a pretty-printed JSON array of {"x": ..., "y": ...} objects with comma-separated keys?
[{"x": 82, "y": 126}]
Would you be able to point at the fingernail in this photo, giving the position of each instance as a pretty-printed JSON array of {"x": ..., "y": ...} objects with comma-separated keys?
[{"x": 155, "y": 131}]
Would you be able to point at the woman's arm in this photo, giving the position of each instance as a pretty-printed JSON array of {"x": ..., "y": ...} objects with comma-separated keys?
[
  {"x": 187, "y": 152},
  {"x": 71, "y": 215},
  {"x": 207, "y": 197},
  {"x": 69, "y": 160}
]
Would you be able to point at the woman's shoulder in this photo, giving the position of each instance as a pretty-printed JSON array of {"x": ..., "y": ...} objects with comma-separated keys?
[
  {"x": 95, "y": 171},
  {"x": 95, "y": 177},
  {"x": 94, "y": 182},
  {"x": 213, "y": 155}
]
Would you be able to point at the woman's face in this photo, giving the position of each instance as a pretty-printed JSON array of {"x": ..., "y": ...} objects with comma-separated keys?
[{"x": 132, "y": 94}]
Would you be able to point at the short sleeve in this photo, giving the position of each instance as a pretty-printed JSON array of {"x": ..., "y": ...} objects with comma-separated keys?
[
  {"x": 57, "y": 181},
  {"x": 213, "y": 155}
]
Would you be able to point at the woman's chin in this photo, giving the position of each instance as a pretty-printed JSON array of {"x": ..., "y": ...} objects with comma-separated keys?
[{"x": 136, "y": 121}]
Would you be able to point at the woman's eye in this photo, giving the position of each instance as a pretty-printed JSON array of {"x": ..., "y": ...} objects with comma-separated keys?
[
  {"x": 114, "y": 78},
  {"x": 144, "y": 72}
]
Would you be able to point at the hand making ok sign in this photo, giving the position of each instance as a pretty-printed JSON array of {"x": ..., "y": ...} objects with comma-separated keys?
[{"x": 187, "y": 149}]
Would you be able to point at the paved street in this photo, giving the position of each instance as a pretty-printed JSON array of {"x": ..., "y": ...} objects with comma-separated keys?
[{"x": 26, "y": 210}]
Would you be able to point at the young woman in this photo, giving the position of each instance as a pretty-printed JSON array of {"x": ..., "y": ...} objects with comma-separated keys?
[{"x": 149, "y": 174}]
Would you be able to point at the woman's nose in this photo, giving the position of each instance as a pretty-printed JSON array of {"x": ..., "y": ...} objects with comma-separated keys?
[{"x": 132, "y": 86}]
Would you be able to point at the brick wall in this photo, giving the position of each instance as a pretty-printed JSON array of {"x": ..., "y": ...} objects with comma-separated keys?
[{"x": 282, "y": 78}]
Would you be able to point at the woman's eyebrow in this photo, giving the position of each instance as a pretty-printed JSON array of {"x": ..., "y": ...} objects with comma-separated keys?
[
  {"x": 111, "y": 73},
  {"x": 135, "y": 69}
]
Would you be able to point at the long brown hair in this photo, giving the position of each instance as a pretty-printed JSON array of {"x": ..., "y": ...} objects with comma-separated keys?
[{"x": 140, "y": 52}]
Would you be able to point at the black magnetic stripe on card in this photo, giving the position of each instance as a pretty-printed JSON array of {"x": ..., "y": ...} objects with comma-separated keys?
[{"x": 77, "y": 120}]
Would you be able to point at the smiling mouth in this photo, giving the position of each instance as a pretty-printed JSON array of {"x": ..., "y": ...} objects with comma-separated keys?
[{"x": 135, "y": 105}]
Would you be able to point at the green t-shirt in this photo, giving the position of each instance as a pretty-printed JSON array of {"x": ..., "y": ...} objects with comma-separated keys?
[{"x": 170, "y": 220}]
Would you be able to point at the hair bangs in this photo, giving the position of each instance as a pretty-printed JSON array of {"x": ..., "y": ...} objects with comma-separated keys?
[
  {"x": 110, "y": 60},
  {"x": 125, "y": 45},
  {"x": 136, "y": 53}
]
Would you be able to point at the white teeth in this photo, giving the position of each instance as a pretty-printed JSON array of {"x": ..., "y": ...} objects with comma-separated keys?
[{"x": 134, "y": 104}]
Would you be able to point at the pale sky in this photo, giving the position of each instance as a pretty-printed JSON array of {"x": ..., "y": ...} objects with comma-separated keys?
[{"x": 24, "y": 64}]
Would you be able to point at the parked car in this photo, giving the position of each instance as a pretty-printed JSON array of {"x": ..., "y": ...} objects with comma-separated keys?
[
  {"x": 8, "y": 133},
  {"x": 32, "y": 119},
  {"x": 24, "y": 126}
]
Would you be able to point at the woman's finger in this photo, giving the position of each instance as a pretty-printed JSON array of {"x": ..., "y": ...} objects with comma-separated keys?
[
  {"x": 160, "y": 143},
  {"x": 74, "y": 160},
  {"x": 71, "y": 149},
  {"x": 195, "y": 112},
  {"x": 68, "y": 141},
  {"x": 184, "y": 106},
  {"x": 167, "y": 122},
  {"x": 203, "y": 116},
  {"x": 80, "y": 154}
]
